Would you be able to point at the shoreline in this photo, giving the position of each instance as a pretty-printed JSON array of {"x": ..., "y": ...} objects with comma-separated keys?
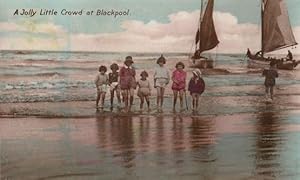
[{"x": 209, "y": 106}]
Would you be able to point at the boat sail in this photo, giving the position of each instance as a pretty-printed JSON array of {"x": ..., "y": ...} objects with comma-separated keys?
[
  {"x": 276, "y": 34},
  {"x": 206, "y": 36}
]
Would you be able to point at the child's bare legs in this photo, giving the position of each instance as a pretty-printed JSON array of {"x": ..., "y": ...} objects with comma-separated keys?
[
  {"x": 148, "y": 102},
  {"x": 175, "y": 93},
  {"x": 194, "y": 96},
  {"x": 162, "y": 96},
  {"x": 98, "y": 98},
  {"x": 271, "y": 92},
  {"x": 158, "y": 96},
  {"x": 131, "y": 93},
  {"x": 118, "y": 95},
  {"x": 102, "y": 99},
  {"x": 142, "y": 102},
  {"x": 125, "y": 98},
  {"x": 112, "y": 95},
  {"x": 181, "y": 98},
  {"x": 197, "y": 101},
  {"x": 267, "y": 91}
]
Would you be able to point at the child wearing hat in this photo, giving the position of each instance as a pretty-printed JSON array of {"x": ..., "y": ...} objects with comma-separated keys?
[
  {"x": 161, "y": 80},
  {"x": 101, "y": 82},
  {"x": 196, "y": 88},
  {"x": 178, "y": 86},
  {"x": 127, "y": 82},
  {"x": 113, "y": 78},
  {"x": 144, "y": 90}
]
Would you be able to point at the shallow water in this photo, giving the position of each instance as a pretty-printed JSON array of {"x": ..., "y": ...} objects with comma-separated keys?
[
  {"x": 41, "y": 76},
  {"x": 235, "y": 134},
  {"x": 263, "y": 145}
]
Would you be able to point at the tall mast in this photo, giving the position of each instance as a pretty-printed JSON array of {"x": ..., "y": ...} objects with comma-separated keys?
[
  {"x": 262, "y": 25},
  {"x": 201, "y": 11}
]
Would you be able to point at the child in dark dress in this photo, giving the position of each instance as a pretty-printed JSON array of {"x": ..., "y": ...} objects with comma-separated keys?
[
  {"x": 127, "y": 82},
  {"x": 196, "y": 88},
  {"x": 114, "y": 84}
]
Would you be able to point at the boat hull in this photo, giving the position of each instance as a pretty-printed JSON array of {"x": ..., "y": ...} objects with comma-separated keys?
[
  {"x": 202, "y": 63},
  {"x": 262, "y": 62}
]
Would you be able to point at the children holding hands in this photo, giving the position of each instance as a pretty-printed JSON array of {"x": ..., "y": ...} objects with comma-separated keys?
[{"x": 125, "y": 81}]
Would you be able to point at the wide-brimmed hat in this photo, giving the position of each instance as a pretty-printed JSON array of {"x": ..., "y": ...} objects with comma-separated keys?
[{"x": 197, "y": 72}]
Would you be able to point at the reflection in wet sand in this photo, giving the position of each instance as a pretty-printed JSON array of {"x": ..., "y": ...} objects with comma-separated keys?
[
  {"x": 167, "y": 147},
  {"x": 269, "y": 142}
]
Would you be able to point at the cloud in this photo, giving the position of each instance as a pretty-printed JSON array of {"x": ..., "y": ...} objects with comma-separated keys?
[
  {"x": 175, "y": 36},
  {"x": 32, "y": 27}
]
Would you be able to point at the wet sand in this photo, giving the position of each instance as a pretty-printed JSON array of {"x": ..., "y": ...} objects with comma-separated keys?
[{"x": 261, "y": 145}]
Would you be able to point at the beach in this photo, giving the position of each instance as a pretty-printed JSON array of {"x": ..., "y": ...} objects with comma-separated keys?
[{"x": 50, "y": 128}]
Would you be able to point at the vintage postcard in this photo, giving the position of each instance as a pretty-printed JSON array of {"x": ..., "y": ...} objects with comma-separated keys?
[{"x": 160, "y": 89}]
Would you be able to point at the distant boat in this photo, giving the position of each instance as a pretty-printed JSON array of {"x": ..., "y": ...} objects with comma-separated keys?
[
  {"x": 206, "y": 36},
  {"x": 276, "y": 34},
  {"x": 22, "y": 52}
]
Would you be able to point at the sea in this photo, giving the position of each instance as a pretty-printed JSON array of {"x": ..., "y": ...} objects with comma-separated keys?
[{"x": 49, "y": 76}]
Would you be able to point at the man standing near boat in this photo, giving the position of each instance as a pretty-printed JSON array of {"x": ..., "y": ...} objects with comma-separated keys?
[{"x": 289, "y": 56}]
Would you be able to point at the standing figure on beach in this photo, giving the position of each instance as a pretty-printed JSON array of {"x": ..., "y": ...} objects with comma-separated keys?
[
  {"x": 114, "y": 84},
  {"x": 196, "y": 88},
  {"x": 101, "y": 82},
  {"x": 127, "y": 82},
  {"x": 270, "y": 75},
  {"x": 144, "y": 90},
  {"x": 289, "y": 56},
  {"x": 178, "y": 86},
  {"x": 161, "y": 80}
]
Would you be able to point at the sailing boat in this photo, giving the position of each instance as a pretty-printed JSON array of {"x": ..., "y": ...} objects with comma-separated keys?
[
  {"x": 276, "y": 34},
  {"x": 206, "y": 37}
]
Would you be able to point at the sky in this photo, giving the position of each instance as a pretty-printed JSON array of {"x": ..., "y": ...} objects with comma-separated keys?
[{"x": 150, "y": 26}]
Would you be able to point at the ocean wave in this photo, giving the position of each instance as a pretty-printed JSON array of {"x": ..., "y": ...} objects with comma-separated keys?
[
  {"x": 52, "y": 84},
  {"x": 17, "y": 98},
  {"x": 39, "y": 60},
  {"x": 47, "y": 74}
]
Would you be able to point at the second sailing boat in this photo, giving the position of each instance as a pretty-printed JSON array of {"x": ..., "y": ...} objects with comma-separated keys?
[{"x": 276, "y": 34}]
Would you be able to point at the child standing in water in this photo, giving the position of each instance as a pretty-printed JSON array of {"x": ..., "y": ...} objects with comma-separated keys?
[
  {"x": 144, "y": 89},
  {"x": 101, "y": 82},
  {"x": 127, "y": 82},
  {"x": 178, "y": 86},
  {"x": 270, "y": 75},
  {"x": 196, "y": 88},
  {"x": 161, "y": 80},
  {"x": 114, "y": 84}
]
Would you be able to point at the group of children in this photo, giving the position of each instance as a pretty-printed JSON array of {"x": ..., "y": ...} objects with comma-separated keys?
[{"x": 124, "y": 83}]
